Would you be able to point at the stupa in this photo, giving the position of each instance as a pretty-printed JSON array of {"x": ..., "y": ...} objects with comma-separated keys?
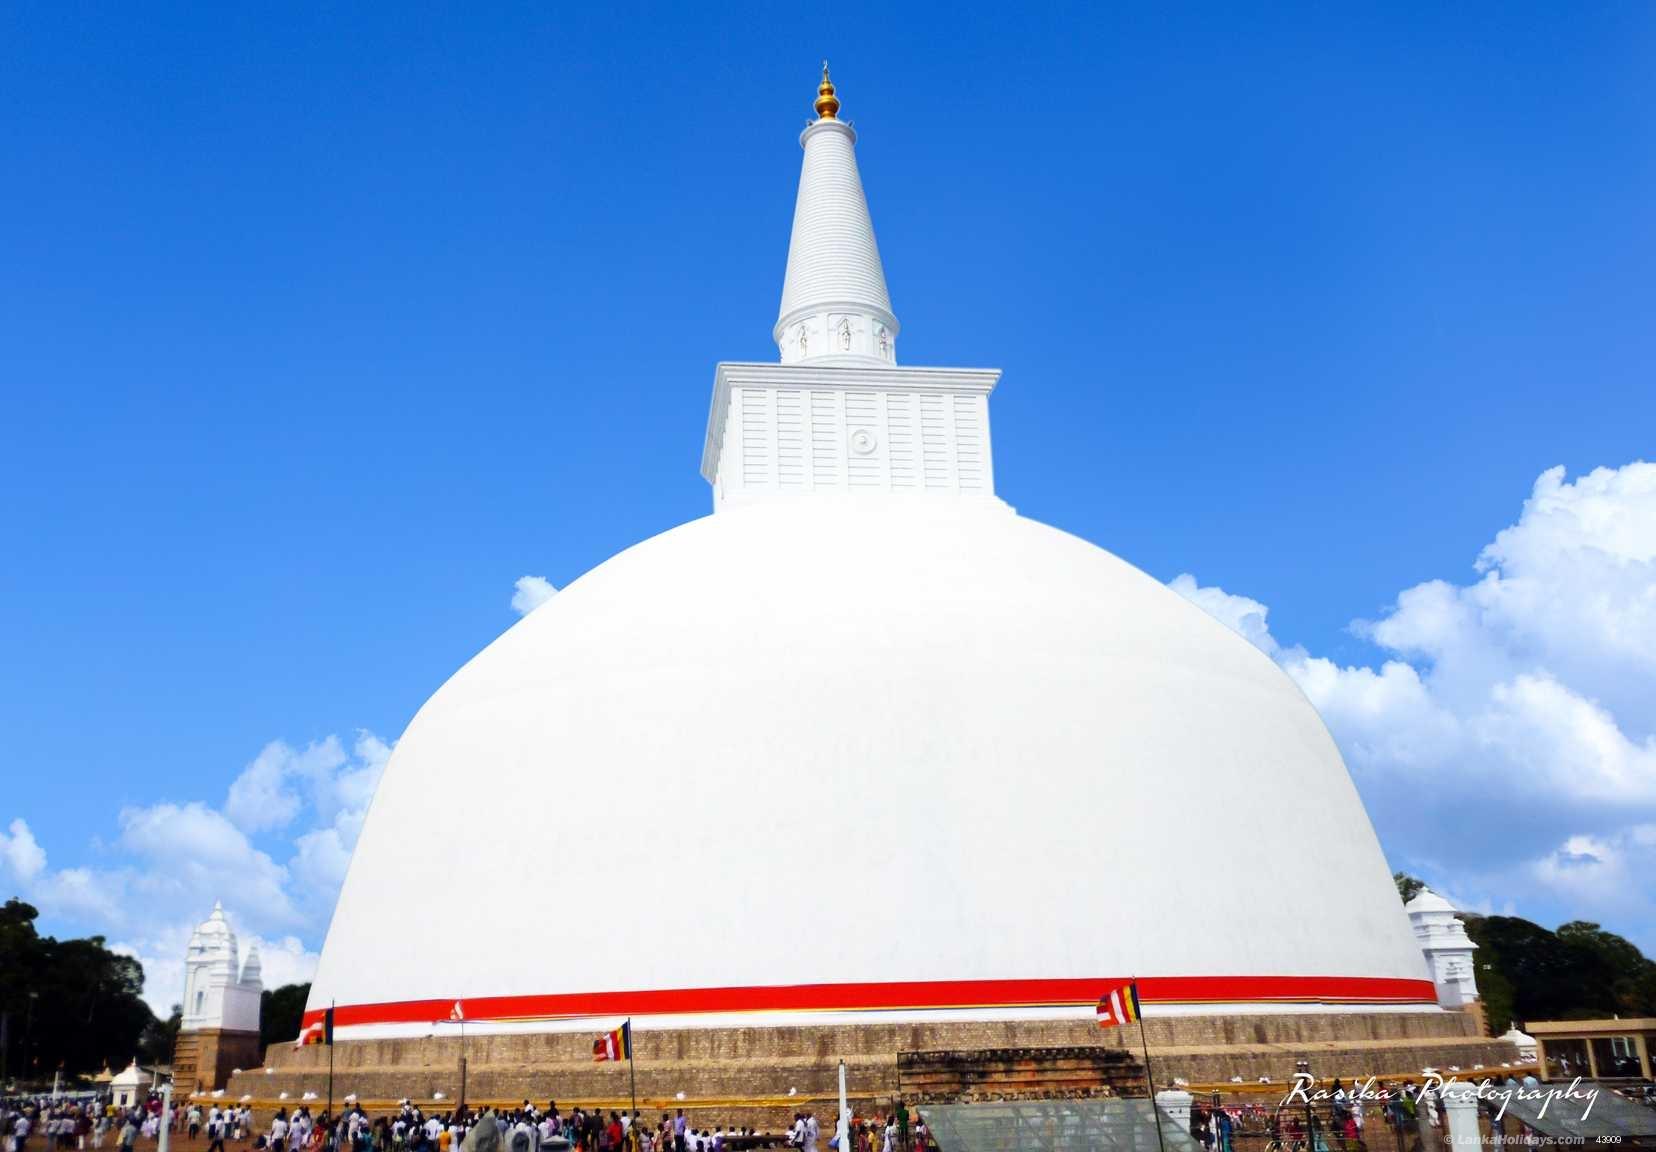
[
  {"x": 862, "y": 765},
  {"x": 219, "y": 1025}
]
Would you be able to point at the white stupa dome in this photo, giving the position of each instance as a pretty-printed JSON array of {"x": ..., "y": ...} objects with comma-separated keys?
[
  {"x": 863, "y": 744},
  {"x": 875, "y": 744}
]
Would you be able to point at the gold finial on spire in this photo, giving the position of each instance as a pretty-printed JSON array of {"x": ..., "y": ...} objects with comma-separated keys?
[{"x": 827, "y": 104}]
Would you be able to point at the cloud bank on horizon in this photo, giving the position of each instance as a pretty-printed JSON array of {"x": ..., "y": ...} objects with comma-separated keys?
[
  {"x": 1504, "y": 746},
  {"x": 275, "y": 852}
]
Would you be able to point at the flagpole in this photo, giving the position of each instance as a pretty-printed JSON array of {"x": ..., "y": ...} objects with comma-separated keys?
[
  {"x": 462, "y": 1058},
  {"x": 632, "y": 1076},
  {"x": 1149, "y": 1080},
  {"x": 332, "y": 1004}
]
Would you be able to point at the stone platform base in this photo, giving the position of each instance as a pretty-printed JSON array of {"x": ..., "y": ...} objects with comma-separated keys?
[
  {"x": 203, "y": 1059},
  {"x": 760, "y": 1076}
]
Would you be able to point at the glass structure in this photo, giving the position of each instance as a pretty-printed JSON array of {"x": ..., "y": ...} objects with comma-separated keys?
[
  {"x": 1609, "y": 1119},
  {"x": 1104, "y": 1124}
]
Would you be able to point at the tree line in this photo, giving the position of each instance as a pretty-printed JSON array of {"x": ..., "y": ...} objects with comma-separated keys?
[
  {"x": 69, "y": 1005},
  {"x": 280, "y": 1013}
]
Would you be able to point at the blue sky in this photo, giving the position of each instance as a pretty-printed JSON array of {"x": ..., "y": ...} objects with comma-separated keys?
[{"x": 321, "y": 327}]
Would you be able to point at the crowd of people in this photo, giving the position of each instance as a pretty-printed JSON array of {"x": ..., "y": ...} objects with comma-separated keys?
[
  {"x": 1344, "y": 1123},
  {"x": 893, "y": 1133},
  {"x": 48, "y": 1124},
  {"x": 61, "y": 1125},
  {"x": 77, "y": 1125}
]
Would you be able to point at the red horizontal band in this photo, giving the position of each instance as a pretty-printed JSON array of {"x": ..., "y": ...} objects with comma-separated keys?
[{"x": 914, "y": 996}]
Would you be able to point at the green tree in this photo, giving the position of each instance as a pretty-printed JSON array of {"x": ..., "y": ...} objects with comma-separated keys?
[
  {"x": 1407, "y": 885},
  {"x": 1551, "y": 978},
  {"x": 71, "y": 1004},
  {"x": 1633, "y": 980},
  {"x": 280, "y": 1012},
  {"x": 1494, "y": 989},
  {"x": 159, "y": 1040}
]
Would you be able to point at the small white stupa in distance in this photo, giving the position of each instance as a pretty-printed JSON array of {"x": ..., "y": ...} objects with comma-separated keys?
[
  {"x": 219, "y": 1031},
  {"x": 221, "y": 989}
]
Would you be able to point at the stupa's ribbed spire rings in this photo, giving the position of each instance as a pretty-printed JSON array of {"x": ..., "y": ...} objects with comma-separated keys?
[
  {"x": 834, "y": 301},
  {"x": 827, "y": 104}
]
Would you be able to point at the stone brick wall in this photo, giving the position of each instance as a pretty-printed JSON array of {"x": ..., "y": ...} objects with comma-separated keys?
[
  {"x": 1017, "y": 1074},
  {"x": 203, "y": 1060},
  {"x": 759, "y": 1076}
]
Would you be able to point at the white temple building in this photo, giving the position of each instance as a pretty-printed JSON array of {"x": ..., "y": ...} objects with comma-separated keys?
[
  {"x": 1528, "y": 1050},
  {"x": 221, "y": 990},
  {"x": 219, "y": 1031},
  {"x": 1057, "y": 771},
  {"x": 1447, "y": 947},
  {"x": 130, "y": 1087}
]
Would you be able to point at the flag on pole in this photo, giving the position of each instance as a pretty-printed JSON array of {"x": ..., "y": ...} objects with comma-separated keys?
[
  {"x": 616, "y": 1045},
  {"x": 1119, "y": 1006},
  {"x": 457, "y": 1012},
  {"x": 317, "y": 1031}
]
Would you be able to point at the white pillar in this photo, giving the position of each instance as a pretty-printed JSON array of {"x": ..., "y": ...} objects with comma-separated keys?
[
  {"x": 1460, "y": 1101},
  {"x": 162, "y": 1139},
  {"x": 842, "y": 1130},
  {"x": 1176, "y": 1104}
]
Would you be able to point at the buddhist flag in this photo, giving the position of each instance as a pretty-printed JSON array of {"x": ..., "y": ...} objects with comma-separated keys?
[
  {"x": 1119, "y": 1006},
  {"x": 616, "y": 1045},
  {"x": 317, "y": 1031}
]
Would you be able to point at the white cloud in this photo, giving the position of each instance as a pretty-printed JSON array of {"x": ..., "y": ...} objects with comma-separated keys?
[
  {"x": 1511, "y": 706},
  {"x": 530, "y": 592},
  {"x": 340, "y": 800},
  {"x": 81, "y": 894},
  {"x": 341, "y": 794},
  {"x": 1239, "y": 613},
  {"x": 286, "y": 961},
  {"x": 170, "y": 861},
  {"x": 321, "y": 859},
  {"x": 20, "y": 853},
  {"x": 1570, "y": 589},
  {"x": 258, "y": 797},
  {"x": 190, "y": 854},
  {"x": 273, "y": 788},
  {"x": 1604, "y": 877}
]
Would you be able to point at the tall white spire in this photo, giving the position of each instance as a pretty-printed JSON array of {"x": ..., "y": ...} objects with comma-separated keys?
[
  {"x": 834, "y": 300},
  {"x": 838, "y": 417}
]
